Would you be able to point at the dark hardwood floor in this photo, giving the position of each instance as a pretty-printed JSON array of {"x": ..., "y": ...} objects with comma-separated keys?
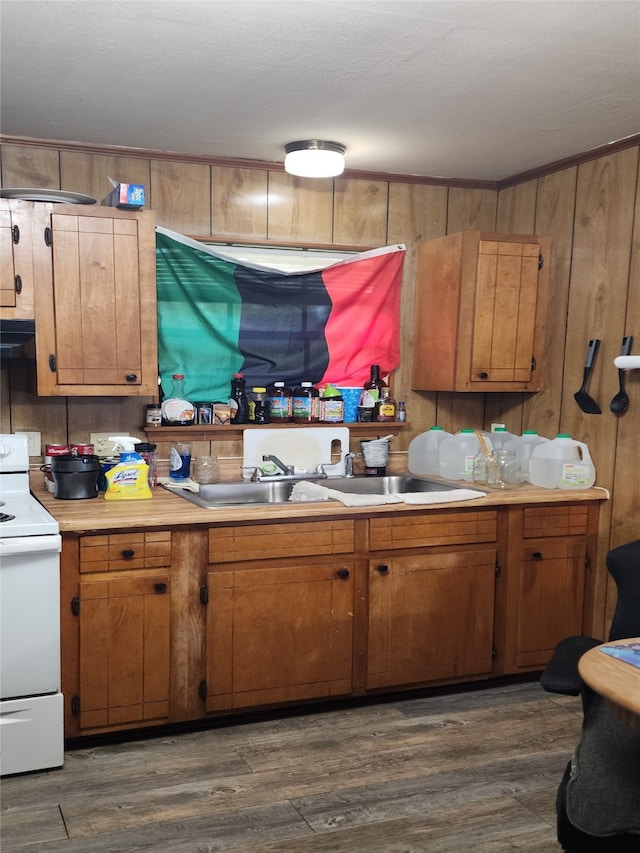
[{"x": 468, "y": 771}]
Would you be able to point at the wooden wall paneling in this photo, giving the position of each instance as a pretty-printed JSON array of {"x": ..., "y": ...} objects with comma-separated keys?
[
  {"x": 115, "y": 415},
  {"x": 239, "y": 202},
  {"x": 360, "y": 212},
  {"x": 468, "y": 210},
  {"x": 300, "y": 209},
  {"x": 471, "y": 210},
  {"x": 555, "y": 210},
  {"x": 23, "y": 166},
  {"x": 516, "y": 214},
  {"x": 46, "y": 415},
  {"x": 605, "y": 201},
  {"x": 416, "y": 212},
  {"x": 181, "y": 196},
  {"x": 626, "y": 493},
  {"x": 5, "y": 398},
  {"x": 87, "y": 173}
]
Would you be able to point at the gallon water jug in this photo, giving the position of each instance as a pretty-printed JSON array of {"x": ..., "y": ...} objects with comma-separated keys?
[
  {"x": 562, "y": 464},
  {"x": 456, "y": 455},
  {"x": 523, "y": 446},
  {"x": 500, "y": 436},
  {"x": 424, "y": 451}
]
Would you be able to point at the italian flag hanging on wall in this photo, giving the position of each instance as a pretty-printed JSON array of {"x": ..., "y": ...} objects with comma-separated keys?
[{"x": 217, "y": 317}]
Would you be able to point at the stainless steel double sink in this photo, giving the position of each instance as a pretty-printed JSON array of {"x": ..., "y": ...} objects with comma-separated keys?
[{"x": 278, "y": 491}]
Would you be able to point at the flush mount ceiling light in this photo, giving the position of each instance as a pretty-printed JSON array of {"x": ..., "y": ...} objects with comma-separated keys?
[{"x": 314, "y": 158}]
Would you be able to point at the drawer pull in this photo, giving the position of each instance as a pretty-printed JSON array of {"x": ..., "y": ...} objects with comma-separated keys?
[
  {"x": 343, "y": 573},
  {"x": 17, "y": 284},
  {"x": 537, "y": 555},
  {"x": 131, "y": 377},
  {"x": 483, "y": 375},
  {"x": 382, "y": 569},
  {"x": 128, "y": 553},
  {"x": 160, "y": 587}
]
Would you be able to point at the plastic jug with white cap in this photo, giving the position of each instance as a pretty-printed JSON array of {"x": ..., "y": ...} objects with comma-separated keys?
[
  {"x": 562, "y": 463},
  {"x": 523, "y": 446}
]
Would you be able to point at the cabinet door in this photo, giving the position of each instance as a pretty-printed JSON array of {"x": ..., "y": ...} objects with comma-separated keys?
[
  {"x": 18, "y": 220},
  {"x": 505, "y": 312},
  {"x": 124, "y": 650},
  {"x": 430, "y": 616},
  {"x": 551, "y": 598},
  {"x": 99, "y": 337},
  {"x": 279, "y": 634}
]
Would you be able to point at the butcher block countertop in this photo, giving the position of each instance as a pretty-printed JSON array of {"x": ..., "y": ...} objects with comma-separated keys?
[{"x": 168, "y": 510}]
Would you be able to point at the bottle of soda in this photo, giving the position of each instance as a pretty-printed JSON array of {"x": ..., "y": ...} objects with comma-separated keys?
[{"x": 238, "y": 402}]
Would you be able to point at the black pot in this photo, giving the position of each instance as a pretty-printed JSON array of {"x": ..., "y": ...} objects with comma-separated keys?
[{"x": 75, "y": 477}]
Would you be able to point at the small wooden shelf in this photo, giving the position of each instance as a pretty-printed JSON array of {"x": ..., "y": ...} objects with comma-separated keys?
[{"x": 228, "y": 432}]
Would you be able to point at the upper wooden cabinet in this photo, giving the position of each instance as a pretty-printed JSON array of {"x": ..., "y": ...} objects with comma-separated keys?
[
  {"x": 96, "y": 323},
  {"x": 480, "y": 312},
  {"x": 86, "y": 274}
]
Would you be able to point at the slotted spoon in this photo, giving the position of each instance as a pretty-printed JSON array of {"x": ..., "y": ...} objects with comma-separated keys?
[{"x": 620, "y": 403}]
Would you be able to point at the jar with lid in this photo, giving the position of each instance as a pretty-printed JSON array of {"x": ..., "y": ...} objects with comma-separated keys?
[
  {"x": 238, "y": 402},
  {"x": 401, "y": 413},
  {"x": 154, "y": 415},
  {"x": 280, "y": 403},
  {"x": 259, "y": 406},
  {"x": 306, "y": 404},
  {"x": 177, "y": 410},
  {"x": 331, "y": 406}
]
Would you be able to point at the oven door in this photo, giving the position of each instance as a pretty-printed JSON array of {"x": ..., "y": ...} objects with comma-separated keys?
[{"x": 29, "y": 615}]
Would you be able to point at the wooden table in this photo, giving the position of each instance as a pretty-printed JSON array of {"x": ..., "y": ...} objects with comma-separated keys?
[{"x": 615, "y": 679}]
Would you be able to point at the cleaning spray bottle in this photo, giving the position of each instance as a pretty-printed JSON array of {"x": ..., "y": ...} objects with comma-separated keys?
[{"x": 129, "y": 479}]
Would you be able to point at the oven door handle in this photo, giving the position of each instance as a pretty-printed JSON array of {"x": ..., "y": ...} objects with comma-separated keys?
[{"x": 30, "y": 544}]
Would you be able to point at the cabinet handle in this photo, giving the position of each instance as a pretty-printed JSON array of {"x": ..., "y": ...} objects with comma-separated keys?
[
  {"x": 483, "y": 375},
  {"x": 75, "y": 606},
  {"x": 382, "y": 569},
  {"x": 15, "y": 234},
  {"x": 53, "y": 364},
  {"x": 131, "y": 377},
  {"x": 343, "y": 573},
  {"x": 160, "y": 587},
  {"x": 537, "y": 555},
  {"x": 48, "y": 237},
  {"x": 17, "y": 283},
  {"x": 128, "y": 553}
]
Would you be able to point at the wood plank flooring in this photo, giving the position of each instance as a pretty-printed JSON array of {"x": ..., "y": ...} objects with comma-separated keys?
[{"x": 473, "y": 770}]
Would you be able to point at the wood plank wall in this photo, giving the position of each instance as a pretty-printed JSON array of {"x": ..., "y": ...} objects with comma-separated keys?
[{"x": 591, "y": 210}]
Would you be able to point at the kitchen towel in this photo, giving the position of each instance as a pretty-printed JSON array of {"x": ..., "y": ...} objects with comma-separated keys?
[{"x": 307, "y": 491}]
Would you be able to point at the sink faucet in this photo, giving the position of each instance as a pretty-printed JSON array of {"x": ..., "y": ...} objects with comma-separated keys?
[
  {"x": 348, "y": 464},
  {"x": 286, "y": 469}
]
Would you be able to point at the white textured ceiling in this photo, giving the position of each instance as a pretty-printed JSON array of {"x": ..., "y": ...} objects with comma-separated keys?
[{"x": 451, "y": 88}]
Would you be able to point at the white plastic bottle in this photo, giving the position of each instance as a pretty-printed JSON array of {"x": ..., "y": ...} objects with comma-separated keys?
[
  {"x": 523, "y": 446},
  {"x": 562, "y": 464},
  {"x": 500, "y": 436},
  {"x": 456, "y": 455},
  {"x": 424, "y": 451}
]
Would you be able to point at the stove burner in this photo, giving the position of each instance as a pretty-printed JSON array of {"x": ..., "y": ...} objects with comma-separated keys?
[{"x": 6, "y": 517}]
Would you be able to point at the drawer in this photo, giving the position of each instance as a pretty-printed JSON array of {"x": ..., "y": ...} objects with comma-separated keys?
[
  {"x": 461, "y": 527},
  {"x": 121, "y": 551},
  {"x": 558, "y": 520},
  {"x": 267, "y": 541}
]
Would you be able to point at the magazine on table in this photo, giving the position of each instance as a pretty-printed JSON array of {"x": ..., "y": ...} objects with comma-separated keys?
[{"x": 627, "y": 652}]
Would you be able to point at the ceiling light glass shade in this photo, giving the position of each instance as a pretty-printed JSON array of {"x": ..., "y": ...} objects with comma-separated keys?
[{"x": 313, "y": 158}]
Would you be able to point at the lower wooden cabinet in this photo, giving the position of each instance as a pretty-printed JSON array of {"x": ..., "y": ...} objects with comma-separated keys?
[
  {"x": 167, "y": 626},
  {"x": 279, "y": 634},
  {"x": 430, "y": 617}
]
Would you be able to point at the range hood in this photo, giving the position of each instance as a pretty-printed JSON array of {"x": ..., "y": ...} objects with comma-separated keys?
[{"x": 17, "y": 338}]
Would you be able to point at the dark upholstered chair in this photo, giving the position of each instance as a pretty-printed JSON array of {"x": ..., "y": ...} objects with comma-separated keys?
[{"x": 598, "y": 802}]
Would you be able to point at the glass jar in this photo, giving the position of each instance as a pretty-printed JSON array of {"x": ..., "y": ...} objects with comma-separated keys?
[
  {"x": 206, "y": 470},
  {"x": 499, "y": 470}
]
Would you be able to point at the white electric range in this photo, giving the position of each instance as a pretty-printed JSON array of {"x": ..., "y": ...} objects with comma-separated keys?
[{"x": 31, "y": 704}]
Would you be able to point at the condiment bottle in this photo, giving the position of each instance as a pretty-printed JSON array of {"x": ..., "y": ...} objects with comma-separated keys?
[
  {"x": 306, "y": 404},
  {"x": 372, "y": 388},
  {"x": 238, "y": 403},
  {"x": 280, "y": 403},
  {"x": 386, "y": 407},
  {"x": 176, "y": 409}
]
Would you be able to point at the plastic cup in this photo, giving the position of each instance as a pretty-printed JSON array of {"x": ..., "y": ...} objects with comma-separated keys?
[{"x": 351, "y": 397}]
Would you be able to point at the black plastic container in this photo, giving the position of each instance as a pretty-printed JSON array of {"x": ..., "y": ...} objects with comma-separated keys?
[{"x": 75, "y": 477}]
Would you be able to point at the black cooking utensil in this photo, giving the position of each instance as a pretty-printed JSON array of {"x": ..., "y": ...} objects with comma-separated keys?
[
  {"x": 587, "y": 403},
  {"x": 620, "y": 403}
]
